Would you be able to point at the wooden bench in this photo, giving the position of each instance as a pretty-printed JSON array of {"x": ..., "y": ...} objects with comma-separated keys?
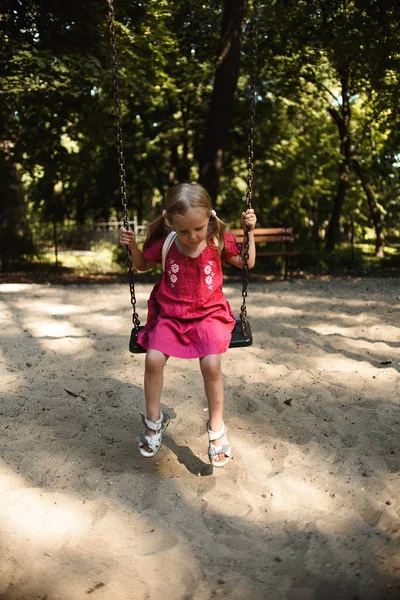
[{"x": 282, "y": 236}]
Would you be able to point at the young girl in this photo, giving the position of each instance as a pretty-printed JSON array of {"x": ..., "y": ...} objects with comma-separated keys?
[{"x": 188, "y": 314}]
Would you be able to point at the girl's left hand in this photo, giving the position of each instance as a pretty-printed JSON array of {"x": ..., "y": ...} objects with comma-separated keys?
[{"x": 249, "y": 219}]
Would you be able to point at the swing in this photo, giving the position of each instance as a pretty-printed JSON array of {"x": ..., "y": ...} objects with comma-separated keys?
[{"x": 241, "y": 334}]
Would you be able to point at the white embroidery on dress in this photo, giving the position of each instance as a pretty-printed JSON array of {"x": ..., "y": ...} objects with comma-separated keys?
[
  {"x": 174, "y": 268},
  {"x": 208, "y": 270}
]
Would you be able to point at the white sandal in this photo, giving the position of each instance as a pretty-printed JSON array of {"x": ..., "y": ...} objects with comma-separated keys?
[
  {"x": 224, "y": 448},
  {"x": 153, "y": 442}
]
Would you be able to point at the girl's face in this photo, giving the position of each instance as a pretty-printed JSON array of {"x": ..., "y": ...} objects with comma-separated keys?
[{"x": 191, "y": 228}]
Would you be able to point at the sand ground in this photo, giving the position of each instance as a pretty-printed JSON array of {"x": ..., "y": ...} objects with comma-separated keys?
[{"x": 308, "y": 508}]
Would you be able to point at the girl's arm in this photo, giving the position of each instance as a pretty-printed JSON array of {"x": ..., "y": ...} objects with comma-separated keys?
[
  {"x": 249, "y": 220},
  {"x": 128, "y": 238}
]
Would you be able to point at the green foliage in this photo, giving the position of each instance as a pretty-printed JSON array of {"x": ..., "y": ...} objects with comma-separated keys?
[
  {"x": 344, "y": 57},
  {"x": 317, "y": 60}
]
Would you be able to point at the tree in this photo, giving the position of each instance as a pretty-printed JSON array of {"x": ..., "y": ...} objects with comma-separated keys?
[
  {"x": 15, "y": 236},
  {"x": 221, "y": 105},
  {"x": 344, "y": 49}
]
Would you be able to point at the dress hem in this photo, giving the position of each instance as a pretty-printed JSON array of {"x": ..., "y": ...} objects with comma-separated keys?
[{"x": 174, "y": 354}]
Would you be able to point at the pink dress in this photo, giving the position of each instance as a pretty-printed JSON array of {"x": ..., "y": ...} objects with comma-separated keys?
[{"x": 188, "y": 314}]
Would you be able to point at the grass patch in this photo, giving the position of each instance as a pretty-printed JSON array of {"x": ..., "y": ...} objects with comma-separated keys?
[
  {"x": 102, "y": 260},
  {"x": 360, "y": 260}
]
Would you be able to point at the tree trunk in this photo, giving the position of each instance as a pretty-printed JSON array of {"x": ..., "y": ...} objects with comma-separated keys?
[
  {"x": 55, "y": 242},
  {"x": 342, "y": 121},
  {"x": 314, "y": 215},
  {"x": 221, "y": 106},
  {"x": 139, "y": 201},
  {"x": 180, "y": 167},
  {"x": 80, "y": 206},
  {"x": 172, "y": 176},
  {"x": 333, "y": 231},
  {"x": 15, "y": 235},
  {"x": 376, "y": 214}
]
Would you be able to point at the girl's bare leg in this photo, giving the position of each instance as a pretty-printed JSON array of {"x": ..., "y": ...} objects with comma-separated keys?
[
  {"x": 153, "y": 383},
  {"x": 214, "y": 387}
]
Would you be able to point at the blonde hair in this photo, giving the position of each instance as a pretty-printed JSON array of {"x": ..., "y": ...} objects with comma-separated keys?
[{"x": 178, "y": 200}]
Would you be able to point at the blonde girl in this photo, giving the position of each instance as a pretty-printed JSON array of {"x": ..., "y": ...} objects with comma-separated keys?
[{"x": 188, "y": 314}]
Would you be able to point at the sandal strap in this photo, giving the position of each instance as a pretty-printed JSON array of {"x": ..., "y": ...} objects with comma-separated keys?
[
  {"x": 215, "y": 450},
  {"x": 152, "y": 441},
  {"x": 155, "y": 425},
  {"x": 216, "y": 435}
]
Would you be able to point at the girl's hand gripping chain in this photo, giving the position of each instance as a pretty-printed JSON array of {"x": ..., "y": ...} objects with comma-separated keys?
[
  {"x": 249, "y": 219},
  {"x": 127, "y": 237}
]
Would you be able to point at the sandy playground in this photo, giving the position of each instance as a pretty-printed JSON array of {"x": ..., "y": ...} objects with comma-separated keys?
[{"x": 308, "y": 508}]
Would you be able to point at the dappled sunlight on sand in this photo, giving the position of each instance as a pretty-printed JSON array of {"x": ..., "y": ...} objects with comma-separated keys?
[
  {"x": 56, "y": 309},
  {"x": 15, "y": 288},
  {"x": 308, "y": 505},
  {"x": 370, "y": 329},
  {"x": 51, "y": 329},
  {"x": 36, "y": 514},
  {"x": 68, "y": 346}
]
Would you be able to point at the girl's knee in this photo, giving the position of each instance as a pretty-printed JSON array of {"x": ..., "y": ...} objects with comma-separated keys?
[
  {"x": 155, "y": 361},
  {"x": 211, "y": 366}
]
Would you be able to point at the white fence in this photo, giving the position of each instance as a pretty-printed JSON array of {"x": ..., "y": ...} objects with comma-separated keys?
[
  {"x": 73, "y": 237},
  {"x": 110, "y": 229}
]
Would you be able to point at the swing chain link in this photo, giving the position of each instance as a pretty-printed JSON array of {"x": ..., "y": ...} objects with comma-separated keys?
[
  {"x": 121, "y": 159},
  {"x": 250, "y": 159}
]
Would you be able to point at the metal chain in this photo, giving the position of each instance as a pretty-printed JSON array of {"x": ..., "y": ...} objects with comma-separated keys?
[
  {"x": 121, "y": 160},
  {"x": 250, "y": 158},
  {"x": 250, "y": 163}
]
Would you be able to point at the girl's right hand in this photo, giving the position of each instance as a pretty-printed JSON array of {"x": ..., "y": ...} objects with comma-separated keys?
[{"x": 127, "y": 237}]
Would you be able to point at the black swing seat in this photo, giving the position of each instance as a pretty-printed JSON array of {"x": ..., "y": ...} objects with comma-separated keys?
[
  {"x": 238, "y": 339},
  {"x": 134, "y": 347}
]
